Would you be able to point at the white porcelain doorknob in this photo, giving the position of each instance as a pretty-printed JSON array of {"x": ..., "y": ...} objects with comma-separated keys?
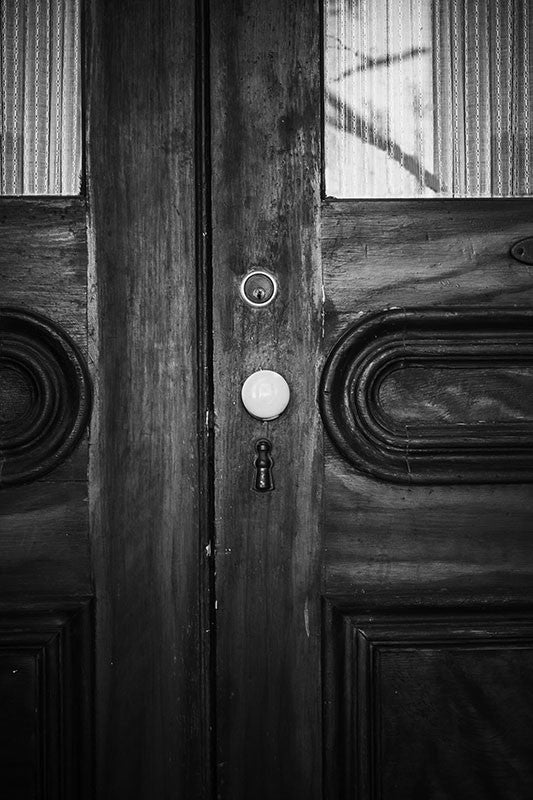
[{"x": 265, "y": 394}]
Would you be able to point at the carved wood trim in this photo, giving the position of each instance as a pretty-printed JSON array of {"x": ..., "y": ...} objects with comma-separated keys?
[
  {"x": 369, "y": 439},
  {"x": 53, "y": 643},
  {"x": 49, "y": 363},
  {"x": 355, "y": 717}
]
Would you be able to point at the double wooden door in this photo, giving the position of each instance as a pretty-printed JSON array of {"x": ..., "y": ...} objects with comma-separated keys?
[{"x": 363, "y": 630}]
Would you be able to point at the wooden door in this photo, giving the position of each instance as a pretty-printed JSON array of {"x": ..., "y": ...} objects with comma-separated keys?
[
  {"x": 104, "y": 629},
  {"x": 374, "y": 609},
  {"x": 363, "y": 630}
]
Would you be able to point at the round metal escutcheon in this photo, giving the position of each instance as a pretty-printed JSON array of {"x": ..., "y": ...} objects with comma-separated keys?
[
  {"x": 259, "y": 288},
  {"x": 45, "y": 395}
]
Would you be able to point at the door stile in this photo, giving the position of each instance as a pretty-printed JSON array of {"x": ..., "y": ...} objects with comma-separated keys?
[
  {"x": 265, "y": 60},
  {"x": 149, "y": 459}
]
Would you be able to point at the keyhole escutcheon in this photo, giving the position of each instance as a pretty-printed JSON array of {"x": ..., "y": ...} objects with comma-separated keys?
[{"x": 264, "y": 481}]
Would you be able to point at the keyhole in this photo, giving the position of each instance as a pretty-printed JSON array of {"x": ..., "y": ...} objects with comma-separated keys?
[
  {"x": 263, "y": 466},
  {"x": 258, "y": 288}
]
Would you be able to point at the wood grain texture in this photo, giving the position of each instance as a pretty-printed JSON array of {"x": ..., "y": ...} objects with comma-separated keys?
[
  {"x": 48, "y": 395},
  {"x": 452, "y": 395},
  {"x": 145, "y": 468},
  {"x": 265, "y": 139},
  {"x": 388, "y": 545},
  {"x": 43, "y": 259},
  {"x": 424, "y": 706},
  {"x": 43, "y": 267},
  {"x": 45, "y": 692},
  {"x": 44, "y": 546},
  {"x": 413, "y": 253},
  {"x": 457, "y": 338},
  {"x": 392, "y": 546}
]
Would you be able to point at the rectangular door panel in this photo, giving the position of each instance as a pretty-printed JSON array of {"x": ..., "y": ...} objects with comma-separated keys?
[
  {"x": 45, "y": 692},
  {"x": 428, "y": 705}
]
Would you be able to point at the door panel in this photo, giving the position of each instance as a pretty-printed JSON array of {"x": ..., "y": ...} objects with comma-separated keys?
[
  {"x": 46, "y": 636},
  {"x": 426, "y": 564},
  {"x": 46, "y": 694},
  {"x": 427, "y": 510},
  {"x": 428, "y": 705},
  {"x": 453, "y": 254},
  {"x": 115, "y": 589},
  {"x": 228, "y": 659},
  {"x": 44, "y": 525}
]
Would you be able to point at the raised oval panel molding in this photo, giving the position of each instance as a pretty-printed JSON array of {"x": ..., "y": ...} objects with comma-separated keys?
[
  {"x": 433, "y": 396},
  {"x": 45, "y": 395}
]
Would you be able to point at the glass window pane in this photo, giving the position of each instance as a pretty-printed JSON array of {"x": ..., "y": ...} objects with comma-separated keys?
[
  {"x": 40, "y": 68},
  {"x": 428, "y": 98}
]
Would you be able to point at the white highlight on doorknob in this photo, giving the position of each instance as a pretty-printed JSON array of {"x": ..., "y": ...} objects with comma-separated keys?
[{"x": 265, "y": 394}]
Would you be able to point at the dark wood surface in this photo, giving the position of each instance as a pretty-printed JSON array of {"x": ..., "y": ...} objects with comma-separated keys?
[
  {"x": 423, "y": 635},
  {"x": 43, "y": 259},
  {"x": 147, "y": 547},
  {"x": 442, "y": 394},
  {"x": 44, "y": 548},
  {"x": 378, "y": 254},
  {"x": 43, "y": 267},
  {"x": 265, "y": 144},
  {"x": 459, "y": 340},
  {"x": 46, "y": 697},
  {"x": 434, "y": 705},
  {"x": 46, "y": 747},
  {"x": 45, "y": 395},
  {"x": 452, "y": 542},
  {"x": 422, "y": 701}
]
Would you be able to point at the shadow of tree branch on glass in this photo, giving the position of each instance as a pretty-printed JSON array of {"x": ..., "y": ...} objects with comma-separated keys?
[
  {"x": 367, "y": 132},
  {"x": 383, "y": 61}
]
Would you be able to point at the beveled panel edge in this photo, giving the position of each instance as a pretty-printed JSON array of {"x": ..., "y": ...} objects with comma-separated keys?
[
  {"x": 59, "y": 633},
  {"x": 351, "y": 643},
  {"x": 495, "y": 453}
]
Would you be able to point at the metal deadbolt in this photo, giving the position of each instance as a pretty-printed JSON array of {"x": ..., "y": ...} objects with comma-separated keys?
[{"x": 259, "y": 288}]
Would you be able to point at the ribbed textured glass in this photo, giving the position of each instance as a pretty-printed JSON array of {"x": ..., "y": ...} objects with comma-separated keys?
[
  {"x": 428, "y": 98},
  {"x": 40, "y": 64}
]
